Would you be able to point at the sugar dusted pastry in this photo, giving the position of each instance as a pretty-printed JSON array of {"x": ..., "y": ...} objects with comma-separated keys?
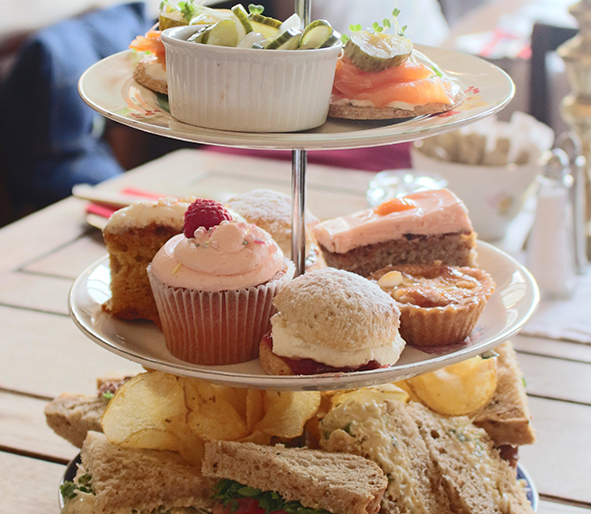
[
  {"x": 419, "y": 228},
  {"x": 331, "y": 320},
  {"x": 439, "y": 305},
  {"x": 271, "y": 210},
  {"x": 214, "y": 286}
]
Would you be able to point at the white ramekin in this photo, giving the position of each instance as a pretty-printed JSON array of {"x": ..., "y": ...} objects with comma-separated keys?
[{"x": 247, "y": 90}]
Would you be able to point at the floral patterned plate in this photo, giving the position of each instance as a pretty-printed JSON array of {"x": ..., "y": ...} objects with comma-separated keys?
[{"x": 108, "y": 87}]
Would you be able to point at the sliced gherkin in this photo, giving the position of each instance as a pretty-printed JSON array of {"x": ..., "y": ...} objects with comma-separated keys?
[
  {"x": 264, "y": 20},
  {"x": 266, "y": 30},
  {"x": 315, "y": 35},
  {"x": 288, "y": 40},
  {"x": 331, "y": 41},
  {"x": 240, "y": 13},
  {"x": 197, "y": 37},
  {"x": 171, "y": 18},
  {"x": 223, "y": 33},
  {"x": 375, "y": 52}
]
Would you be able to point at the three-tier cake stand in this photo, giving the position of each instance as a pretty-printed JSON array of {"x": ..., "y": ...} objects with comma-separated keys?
[{"x": 108, "y": 87}]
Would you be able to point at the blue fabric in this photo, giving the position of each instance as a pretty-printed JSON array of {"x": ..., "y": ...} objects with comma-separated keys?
[{"x": 51, "y": 139}]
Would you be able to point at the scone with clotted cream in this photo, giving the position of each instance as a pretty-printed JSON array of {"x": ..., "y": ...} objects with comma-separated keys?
[{"x": 331, "y": 321}]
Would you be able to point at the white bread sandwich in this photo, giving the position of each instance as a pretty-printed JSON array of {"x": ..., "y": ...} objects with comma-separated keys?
[
  {"x": 116, "y": 480},
  {"x": 291, "y": 480},
  {"x": 331, "y": 321},
  {"x": 433, "y": 463},
  {"x": 271, "y": 211}
]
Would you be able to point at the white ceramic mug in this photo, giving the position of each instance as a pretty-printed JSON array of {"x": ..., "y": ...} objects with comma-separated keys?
[{"x": 494, "y": 195}]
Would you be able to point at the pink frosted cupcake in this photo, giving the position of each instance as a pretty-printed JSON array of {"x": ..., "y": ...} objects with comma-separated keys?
[{"x": 214, "y": 286}]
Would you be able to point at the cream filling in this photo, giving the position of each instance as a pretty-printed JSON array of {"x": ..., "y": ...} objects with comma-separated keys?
[
  {"x": 370, "y": 425},
  {"x": 368, "y": 103},
  {"x": 289, "y": 345},
  {"x": 166, "y": 211},
  {"x": 155, "y": 70}
]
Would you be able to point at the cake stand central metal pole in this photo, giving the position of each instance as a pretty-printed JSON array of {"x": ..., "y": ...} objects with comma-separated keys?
[
  {"x": 298, "y": 210},
  {"x": 302, "y": 9},
  {"x": 298, "y": 179}
]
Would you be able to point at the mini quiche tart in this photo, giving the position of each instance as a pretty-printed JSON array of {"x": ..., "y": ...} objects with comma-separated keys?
[{"x": 439, "y": 305}]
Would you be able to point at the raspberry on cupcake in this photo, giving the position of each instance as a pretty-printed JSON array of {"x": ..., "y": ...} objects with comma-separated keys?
[{"x": 214, "y": 285}]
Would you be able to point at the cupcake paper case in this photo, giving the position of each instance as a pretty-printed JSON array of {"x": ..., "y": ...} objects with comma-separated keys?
[{"x": 214, "y": 292}]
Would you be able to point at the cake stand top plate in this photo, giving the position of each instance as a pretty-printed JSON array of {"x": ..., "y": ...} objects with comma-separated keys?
[{"x": 108, "y": 87}]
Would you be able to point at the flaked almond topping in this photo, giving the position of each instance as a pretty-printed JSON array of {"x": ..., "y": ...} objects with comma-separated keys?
[
  {"x": 466, "y": 284},
  {"x": 390, "y": 280}
]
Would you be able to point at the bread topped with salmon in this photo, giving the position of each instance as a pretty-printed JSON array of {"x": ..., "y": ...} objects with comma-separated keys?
[{"x": 378, "y": 78}]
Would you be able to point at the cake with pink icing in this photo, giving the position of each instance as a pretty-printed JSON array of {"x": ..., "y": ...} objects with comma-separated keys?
[
  {"x": 214, "y": 287},
  {"x": 419, "y": 228}
]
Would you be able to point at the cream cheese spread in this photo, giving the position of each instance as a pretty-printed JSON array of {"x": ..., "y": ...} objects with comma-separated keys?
[{"x": 368, "y": 103}]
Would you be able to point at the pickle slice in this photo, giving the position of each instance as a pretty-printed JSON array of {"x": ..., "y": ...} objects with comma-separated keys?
[
  {"x": 197, "y": 37},
  {"x": 288, "y": 40},
  {"x": 240, "y": 13},
  {"x": 374, "y": 52},
  {"x": 331, "y": 41},
  {"x": 171, "y": 18},
  {"x": 264, "y": 20},
  {"x": 266, "y": 30},
  {"x": 223, "y": 33},
  {"x": 315, "y": 35}
]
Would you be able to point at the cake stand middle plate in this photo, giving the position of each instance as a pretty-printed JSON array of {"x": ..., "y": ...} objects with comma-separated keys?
[{"x": 511, "y": 306}]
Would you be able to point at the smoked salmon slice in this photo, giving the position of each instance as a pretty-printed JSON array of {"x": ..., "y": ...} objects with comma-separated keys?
[
  {"x": 412, "y": 83},
  {"x": 151, "y": 42}
]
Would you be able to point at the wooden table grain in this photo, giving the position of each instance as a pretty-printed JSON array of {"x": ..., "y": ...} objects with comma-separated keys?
[{"x": 42, "y": 353}]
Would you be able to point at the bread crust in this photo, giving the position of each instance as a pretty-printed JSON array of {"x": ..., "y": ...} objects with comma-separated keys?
[
  {"x": 353, "y": 112},
  {"x": 471, "y": 489},
  {"x": 506, "y": 417},
  {"x": 72, "y": 416},
  {"x": 142, "y": 77},
  {"x": 413, "y": 482},
  {"x": 339, "y": 483},
  {"x": 166, "y": 479}
]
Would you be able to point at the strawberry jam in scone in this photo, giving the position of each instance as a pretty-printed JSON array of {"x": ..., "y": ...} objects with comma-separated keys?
[{"x": 214, "y": 286}]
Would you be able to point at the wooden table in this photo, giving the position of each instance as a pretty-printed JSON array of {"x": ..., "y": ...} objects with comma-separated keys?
[{"x": 43, "y": 354}]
